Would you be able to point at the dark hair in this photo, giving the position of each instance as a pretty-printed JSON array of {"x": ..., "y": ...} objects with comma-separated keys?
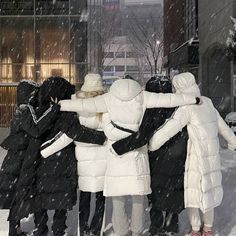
[
  {"x": 55, "y": 87},
  {"x": 159, "y": 85}
]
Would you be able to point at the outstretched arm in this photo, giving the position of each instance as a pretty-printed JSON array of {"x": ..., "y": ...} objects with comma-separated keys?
[
  {"x": 168, "y": 99},
  {"x": 170, "y": 129},
  {"x": 36, "y": 126},
  {"x": 93, "y": 105},
  {"x": 226, "y": 132}
]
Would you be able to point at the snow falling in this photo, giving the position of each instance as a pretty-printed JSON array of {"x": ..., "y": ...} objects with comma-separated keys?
[{"x": 114, "y": 39}]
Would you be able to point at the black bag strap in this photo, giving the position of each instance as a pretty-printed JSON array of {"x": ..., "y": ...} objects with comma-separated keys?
[{"x": 122, "y": 128}]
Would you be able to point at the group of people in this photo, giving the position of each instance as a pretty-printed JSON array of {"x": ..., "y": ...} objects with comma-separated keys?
[{"x": 126, "y": 144}]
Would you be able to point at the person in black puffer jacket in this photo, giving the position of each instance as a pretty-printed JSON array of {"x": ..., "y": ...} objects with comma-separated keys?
[
  {"x": 57, "y": 175},
  {"x": 17, "y": 174},
  {"x": 167, "y": 165}
]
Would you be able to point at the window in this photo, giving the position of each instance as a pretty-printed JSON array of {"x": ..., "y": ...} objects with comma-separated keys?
[
  {"x": 109, "y": 68},
  {"x": 132, "y": 68},
  {"x": 38, "y": 47},
  {"x": 120, "y": 54},
  {"x": 23, "y": 7},
  {"x": 46, "y": 7},
  {"x": 131, "y": 55},
  {"x": 119, "y": 68},
  {"x": 191, "y": 19},
  {"x": 109, "y": 54}
]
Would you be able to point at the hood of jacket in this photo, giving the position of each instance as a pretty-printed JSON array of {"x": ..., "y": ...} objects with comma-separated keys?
[
  {"x": 125, "y": 89},
  {"x": 185, "y": 83},
  {"x": 55, "y": 87},
  {"x": 26, "y": 92},
  {"x": 159, "y": 85}
]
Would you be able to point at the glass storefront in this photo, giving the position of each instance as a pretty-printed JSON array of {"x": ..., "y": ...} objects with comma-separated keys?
[{"x": 41, "y": 38}]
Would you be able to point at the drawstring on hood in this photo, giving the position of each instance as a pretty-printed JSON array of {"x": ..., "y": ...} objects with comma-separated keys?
[{"x": 185, "y": 83}]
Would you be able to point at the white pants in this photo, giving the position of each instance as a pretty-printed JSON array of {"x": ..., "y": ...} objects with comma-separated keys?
[
  {"x": 120, "y": 219},
  {"x": 195, "y": 218}
]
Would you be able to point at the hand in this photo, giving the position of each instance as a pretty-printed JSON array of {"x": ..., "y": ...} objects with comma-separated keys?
[{"x": 198, "y": 101}]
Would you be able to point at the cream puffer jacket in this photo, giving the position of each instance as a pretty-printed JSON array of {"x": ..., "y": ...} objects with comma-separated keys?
[{"x": 203, "y": 188}]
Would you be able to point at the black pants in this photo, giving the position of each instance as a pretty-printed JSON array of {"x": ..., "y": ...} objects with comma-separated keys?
[
  {"x": 14, "y": 228},
  {"x": 14, "y": 225},
  {"x": 59, "y": 223},
  {"x": 163, "y": 222},
  {"x": 84, "y": 212}
]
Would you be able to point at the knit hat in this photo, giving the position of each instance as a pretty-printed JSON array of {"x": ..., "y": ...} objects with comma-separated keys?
[
  {"x": 186, "y": 83},
  {"x": 92, "y": 82}
]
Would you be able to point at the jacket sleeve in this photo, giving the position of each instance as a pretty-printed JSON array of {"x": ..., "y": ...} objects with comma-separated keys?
[
  {"x": 152, "y": 100},
  {"x": 36, "y": 126},
  {"x": 80, "y": 133},
  {"x": 179, "y": 120},
  {"x": 138, "y": 139},
  {"x": 95, "y": 104},
  {"x": 16, "y": 141},
  {"x": 54, "y": 145},
  {"x": 226, "y": 132}
]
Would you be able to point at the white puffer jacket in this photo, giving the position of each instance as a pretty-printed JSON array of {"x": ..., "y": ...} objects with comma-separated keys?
[
  {"x": 203, "y": 187},
  {"x": 125, "y": 104},
  {"x": 91, "y": 158}
]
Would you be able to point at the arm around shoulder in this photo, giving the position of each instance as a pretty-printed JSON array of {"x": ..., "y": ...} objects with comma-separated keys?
[
  {"x": 95, "y": 104},
  {"x": 152, "y": 100},
  {"x": 179, "y": 120}
]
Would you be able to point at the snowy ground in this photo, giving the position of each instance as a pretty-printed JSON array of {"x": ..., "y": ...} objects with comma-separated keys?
[{"x": 225, "y": 217}]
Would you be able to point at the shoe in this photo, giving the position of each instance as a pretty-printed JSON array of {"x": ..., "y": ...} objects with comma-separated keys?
[
  {"x": 208, "y": 233},
  {"x": 193, "y": 233}
]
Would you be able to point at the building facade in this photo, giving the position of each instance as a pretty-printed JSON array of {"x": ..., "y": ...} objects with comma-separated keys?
[
  {"x": 215, "y": 70},
  {"x": 121, "y": 57},
  {"x": 43, "y": 38},
  {"x": 181, "y": 36}
]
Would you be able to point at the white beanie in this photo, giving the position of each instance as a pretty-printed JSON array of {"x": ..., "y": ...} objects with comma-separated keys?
[
  {"x": 186, "y": 83},
  {"x": 92, "y": 82}
]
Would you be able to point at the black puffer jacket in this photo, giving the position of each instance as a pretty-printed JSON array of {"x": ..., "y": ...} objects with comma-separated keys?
[
  {"x": 167, "y": 164},
  {"x": 57, "y": 175},
  {"x": 17, "y": 175}
]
